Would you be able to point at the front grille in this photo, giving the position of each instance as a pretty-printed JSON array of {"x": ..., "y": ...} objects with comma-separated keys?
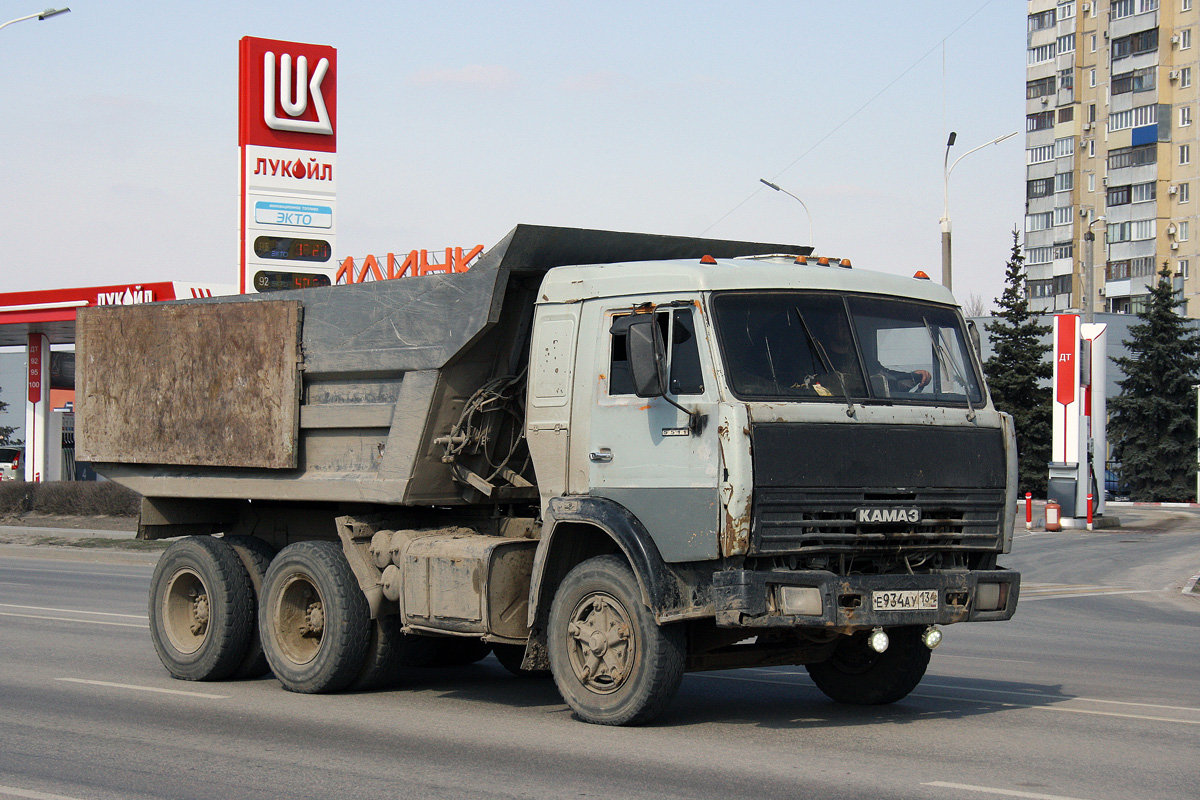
[{"x": 825, "y": 521}]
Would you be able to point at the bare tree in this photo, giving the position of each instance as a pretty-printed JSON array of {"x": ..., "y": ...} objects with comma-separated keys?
[{"x": 974, "y": 307}]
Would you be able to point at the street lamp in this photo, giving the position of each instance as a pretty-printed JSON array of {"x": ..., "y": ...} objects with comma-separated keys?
[
  {"x": 945, "y": 220},
  {"x": 47, "y": 14},
  {"x": 798, "y": 200}
]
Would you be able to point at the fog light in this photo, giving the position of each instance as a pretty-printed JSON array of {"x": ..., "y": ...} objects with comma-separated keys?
[
  {"x": 991, "y": 596},
  {"x": 932, "y": 637},
  {"x": 800, "y": 600},
  {"x": 878, "y": 640}
]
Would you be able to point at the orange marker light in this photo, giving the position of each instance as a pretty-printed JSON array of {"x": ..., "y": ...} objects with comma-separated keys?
[
  {"x": 846, "y": 263},
  {"x": 920, "y": 275},
  {"x": 801, "y": 259},
  {"x": 823, "y": 261},
  {"x": 707, "y": 260}
]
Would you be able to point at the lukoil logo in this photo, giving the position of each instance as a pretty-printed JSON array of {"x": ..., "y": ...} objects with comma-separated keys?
[{"x": 295, "y": 104}]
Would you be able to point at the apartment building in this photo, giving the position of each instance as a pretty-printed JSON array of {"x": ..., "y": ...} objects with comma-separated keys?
[{"x": 1112, "y": 152}]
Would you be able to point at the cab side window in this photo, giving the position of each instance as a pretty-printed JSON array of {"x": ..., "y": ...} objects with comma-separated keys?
[{"x": 678, "y": 328}]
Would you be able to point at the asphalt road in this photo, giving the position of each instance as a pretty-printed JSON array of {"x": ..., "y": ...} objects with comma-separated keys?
[{"x": 1091, "y": 692}]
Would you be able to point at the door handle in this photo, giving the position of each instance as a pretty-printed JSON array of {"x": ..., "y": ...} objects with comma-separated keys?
[{"x": 603, "y": 457}]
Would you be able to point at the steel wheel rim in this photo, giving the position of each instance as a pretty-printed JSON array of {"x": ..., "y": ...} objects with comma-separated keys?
[
  {"x": 299, "y": 619},
  {"x": 186, "y": 612},
  {"x": 600, "y": 643}
]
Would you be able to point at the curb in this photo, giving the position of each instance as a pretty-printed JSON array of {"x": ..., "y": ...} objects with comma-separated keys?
[{"x": 1190, "y": 586}]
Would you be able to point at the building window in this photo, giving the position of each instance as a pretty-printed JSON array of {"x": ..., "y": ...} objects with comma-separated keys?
[
  {"x": 1141, "y": 230},
  {"x": 1185, "y": 39},
  {"x": 1039, "y": 88},
  {"x": 1185, "y": 77},
  {"x": 1133, "y": 118},
  {"x": 1066, "y": 79},
  {"x": 1038, "y": 222},
  {"x": 1185, "y": 192},
  {"x": 1116, "y": 270},
  {"x": 1042, "y": 154},
  {"x": 1039, "y": 187},
  {"x": 1120, "y": 9},
  {"x": 1092, "y": 78},
  {"x": 1038, "y": 255},
  {"x": 1066, "y": 113},
  {"x": 1187, "y": 6},
  {"x": 1133, "y": 156},
  {"x": 1066, "y": 11},
  {"x": 1093, "y": 43},
  {"x": 1064, "y": 147},
  {"x": 1141, "y": 192},
  {"x": 1063, "y": 215},
  {"x": 1117, "y": 232},
  {"x": 1139, "y": 80},
  {"x": 1062, "y": 284},
  {"x": 1039, "y": 121},
  {"x": 1066, "y": 44},
  {"x": 1092, "y": 149},
  {"x": 1132, "y": 45},
  {"x": 1091, "y": 181},
  {"x": 1181, "y": 266},
  {"x": 1185, "y": 154},
  {"x": 1147, "y": 5},
  {"x": 1064, "y": 250},
  {"x": 1116, "y": 196},
  {"x": 1064, "y": 181},
  {"x": 1039, "y": 22},
  {"x": 1181, "y": 231},
  {"x": 1140, "y": 267},
  {"x": 1185, "y": 116},
  {"x": 1040, "y": 55}
]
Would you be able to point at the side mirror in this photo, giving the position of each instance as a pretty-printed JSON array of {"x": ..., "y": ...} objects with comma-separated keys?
[{"x": 647, "y": 357}]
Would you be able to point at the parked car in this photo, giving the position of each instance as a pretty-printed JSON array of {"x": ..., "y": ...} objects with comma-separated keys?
[
  {"x": 11, "y": 468},
  {"x": 1114, "y": 487}
]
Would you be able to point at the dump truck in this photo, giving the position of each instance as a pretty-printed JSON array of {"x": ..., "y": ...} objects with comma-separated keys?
[{"x": 610, "y": 457}]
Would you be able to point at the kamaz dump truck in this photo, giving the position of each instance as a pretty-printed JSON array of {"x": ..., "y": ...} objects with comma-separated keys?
[{"x": 613, "y": 457}]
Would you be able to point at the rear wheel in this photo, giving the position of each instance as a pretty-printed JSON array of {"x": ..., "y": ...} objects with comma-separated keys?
[
  {"x": 255, "y": 555},
  {"x": 201, "y": 609},
  {"x": 314, "y": 619},
  {"x": 857, "y": 675},
  {"x": 611, "y": 662}
]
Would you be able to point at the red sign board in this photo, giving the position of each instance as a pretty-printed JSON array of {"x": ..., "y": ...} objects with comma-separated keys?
[
  {"x": 288, "y": 95},
  {"x": 35, "y": 367},
  {"x": 1065, "y": 367}
]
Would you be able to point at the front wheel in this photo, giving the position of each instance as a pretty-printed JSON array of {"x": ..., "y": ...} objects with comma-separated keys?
[
  {"x": 857, "y": 675},
  {"x": 612, "y": 663},
  {"x": 314, "y": 619}
]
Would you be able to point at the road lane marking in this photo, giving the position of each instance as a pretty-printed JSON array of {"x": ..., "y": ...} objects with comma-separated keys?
[
  {"x": 1056, "y": 707},
  {"x": 12, "y": 791},
  {"x": 1057, "y": 697},
  {"x": 73, "y": 611},
  {"x": 1038, "y": 591},
  {"x": 966, "y": 787},
  {"x": 143, "y": 688},
  {"x": 81, "y": 621}
]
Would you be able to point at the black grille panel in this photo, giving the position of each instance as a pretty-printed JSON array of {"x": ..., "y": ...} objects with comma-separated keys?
[
  {"x": 810, "y": 480},
  {"x": 825, "y": 521}
]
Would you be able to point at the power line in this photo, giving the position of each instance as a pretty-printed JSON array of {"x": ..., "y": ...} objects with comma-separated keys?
[{"x": 852, "y": 115}]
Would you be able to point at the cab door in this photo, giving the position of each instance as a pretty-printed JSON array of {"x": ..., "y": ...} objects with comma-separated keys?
[{"x": 642, "y": 453}]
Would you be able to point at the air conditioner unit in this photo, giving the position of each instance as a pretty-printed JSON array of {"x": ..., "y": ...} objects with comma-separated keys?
[
  {"x": 1173, "y": 75},
  {"x": 1175, "y": 39},
  {"x": 1104, "y": 181},
  {"x": 1174, "y": 245},
  {"x": 1087, "y": 126},
  {"x": 1045, "y": 101},
  {"x": 1172, "y": 190},
  {"x": 1086, "y": 7},
  {"x": 1171, "y": 229}
]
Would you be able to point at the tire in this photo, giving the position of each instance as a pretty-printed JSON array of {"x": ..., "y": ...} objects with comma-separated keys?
[
  {"x": 314, "y": 619},
  {"x": 384, "y": 655},
  {"x": 510, "y": 657},
  {"x": 201, "y": 609},
  {"x": 255, "y": 555},
  {"x": 631, "y": 676},
  {"x": 857, "y": 675}
]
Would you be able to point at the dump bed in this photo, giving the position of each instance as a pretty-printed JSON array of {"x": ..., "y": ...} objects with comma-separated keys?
[{"x": 329, "y": 394}]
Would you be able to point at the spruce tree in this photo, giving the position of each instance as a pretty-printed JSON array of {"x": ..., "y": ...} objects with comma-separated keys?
[
  {"x": 1018, "y": 375},
  {"x": 1152, "y": 422}
]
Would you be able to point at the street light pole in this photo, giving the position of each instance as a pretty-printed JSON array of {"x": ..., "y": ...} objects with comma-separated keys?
[
  {"x": 798, "y": 200},
  {"x": 945, "y": 220},
  {"x": 47, "y": 14}
]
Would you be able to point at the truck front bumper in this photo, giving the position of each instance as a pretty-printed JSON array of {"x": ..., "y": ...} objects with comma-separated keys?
[{"x": 817, "y": 599}]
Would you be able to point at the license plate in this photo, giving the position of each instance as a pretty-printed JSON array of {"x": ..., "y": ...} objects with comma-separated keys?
[{"x": 915, "y": 600}]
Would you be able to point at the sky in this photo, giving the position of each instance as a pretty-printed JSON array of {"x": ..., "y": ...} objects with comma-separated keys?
[{"x": 459, "y": 120}]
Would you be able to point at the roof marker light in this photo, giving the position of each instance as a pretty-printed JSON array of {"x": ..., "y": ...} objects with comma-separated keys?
[
  {"x": 920, "y": 275},
  {"x": 801, "y": 259},
  {"x": 823, "y": 261},
  {"x": 845, "y": 263},
  {"x": 707, "y": 260}
]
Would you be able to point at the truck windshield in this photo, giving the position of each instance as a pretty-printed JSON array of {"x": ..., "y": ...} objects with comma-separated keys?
[{"x": 829, "y": 347}]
